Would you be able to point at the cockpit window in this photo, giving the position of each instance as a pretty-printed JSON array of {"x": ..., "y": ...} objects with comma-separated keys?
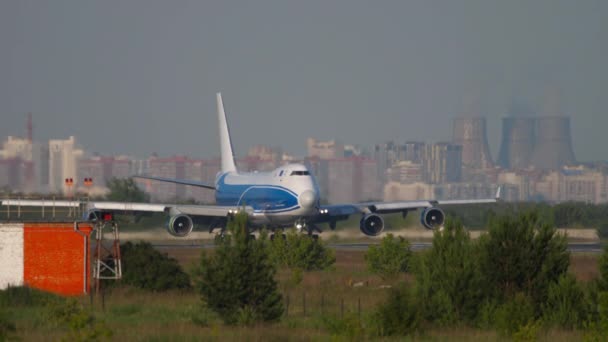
[{"x": 300, "y": 173}]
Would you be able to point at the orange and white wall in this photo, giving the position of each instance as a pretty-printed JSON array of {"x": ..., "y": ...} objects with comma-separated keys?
[{"x": 54, "y": 257}]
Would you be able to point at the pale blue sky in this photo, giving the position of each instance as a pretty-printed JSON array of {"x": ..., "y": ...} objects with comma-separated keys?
[{"x": 139, "y": 77}]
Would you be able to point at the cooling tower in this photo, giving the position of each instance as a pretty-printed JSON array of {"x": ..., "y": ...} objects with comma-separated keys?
[
  {"x": 470, "y": 133},
  {"x": 553, "y": 148},
  {"x": 517, "y": 142}
]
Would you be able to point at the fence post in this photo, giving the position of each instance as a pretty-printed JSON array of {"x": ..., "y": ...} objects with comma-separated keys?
[
  {"x": 359, "y": 308},
  {"x": 287, "y": 306},
  {"x": 322, "y": 303},
  {"x": 304, "y": 302},
  {"x": 103, "y": 299},
  {"x": 342, "y": 308}
]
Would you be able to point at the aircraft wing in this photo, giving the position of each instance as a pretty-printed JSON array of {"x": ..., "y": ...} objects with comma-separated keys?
[
  {"x": 178, "y": 181},
  {"x": 342, "y": 211},
  {"x": 133, "y": 207},
  {"x": 187, "y": 209}
]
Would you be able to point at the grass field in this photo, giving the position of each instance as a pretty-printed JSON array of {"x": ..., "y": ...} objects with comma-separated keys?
[{"x": 347, "y": 290}]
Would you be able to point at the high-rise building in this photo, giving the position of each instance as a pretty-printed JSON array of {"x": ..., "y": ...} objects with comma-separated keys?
[
  {"x": 35, "y": 158},
  {"x": 351, "y": 180},
  {"x": 63, "y": 163},
  {"x": 11, "y": 172},
  {"x": 442, "y": 163}
]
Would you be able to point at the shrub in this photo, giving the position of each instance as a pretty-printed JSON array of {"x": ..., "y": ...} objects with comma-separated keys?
[
  {"x": 146, "y": 268},
  {"x": 597, "y": 329},
  {"x": 602, "y": 229},
  {"x": 566, "y": 305},
  {"x": 7, "y": 327},
  {"x": 349, "y": 326},
  {"x": 237, "y": 280},
  {"x": 448, "y": 282},
  {"x": 398, "y": 315},
  {"x": 300, "y": 251},
  {"x": 515, "y": 314},
  {"x": 522, "y": 254},
  {"x": 22, "y": 296},
  {"x": 390, "y": 258},
  {"x": 603, "y": 264},
  {"x": 82, "y": 325}
]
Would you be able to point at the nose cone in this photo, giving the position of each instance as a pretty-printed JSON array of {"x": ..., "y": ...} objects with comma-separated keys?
[{"x": 307, "y": 199}]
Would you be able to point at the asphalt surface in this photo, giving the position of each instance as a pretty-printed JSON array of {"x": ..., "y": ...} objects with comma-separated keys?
[{"x": 574, "y": 247}]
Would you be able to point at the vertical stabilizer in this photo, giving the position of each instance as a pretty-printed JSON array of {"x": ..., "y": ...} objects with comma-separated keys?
[{"x": 225, "y": 143}]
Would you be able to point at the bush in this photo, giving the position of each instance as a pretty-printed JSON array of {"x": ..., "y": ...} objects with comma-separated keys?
[
  {"x": 22, "y": 296},
  {"x": 390, "y": 258},
  {"x": 349, "y": 326},
  {"x": 146, "y": 268},
  {"x": 515, "y": 314},
  {"x": 300, "y": 251},
  {"x": 7, "y": 327},
  {"x": 522, "y": 254},
  {"x": 398, "y": 315},
  {"x": 566, "y": 305},
  {"x": 448, "y": 282},
  {"x": 82, "y": 325},
  {"x": 603, "y": 264},
  {"x": 237, "y": 280},
  {"x": 602, "y": 229}
]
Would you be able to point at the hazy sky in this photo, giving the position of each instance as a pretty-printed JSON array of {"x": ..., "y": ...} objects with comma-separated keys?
[{"x": 139, "y": 77}]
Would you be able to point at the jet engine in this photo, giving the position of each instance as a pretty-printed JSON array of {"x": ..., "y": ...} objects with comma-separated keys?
[
  {"x": 432, "y": 218},
  {"x": 371, "y": 224},
  {"x": 180, "y": 225}
]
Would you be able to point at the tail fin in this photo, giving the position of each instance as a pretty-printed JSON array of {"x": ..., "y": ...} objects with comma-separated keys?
[{"x": 225, "y": 143}]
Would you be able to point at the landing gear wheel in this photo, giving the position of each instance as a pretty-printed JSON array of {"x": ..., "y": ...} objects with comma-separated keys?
[{"x": 315, "y": 237}]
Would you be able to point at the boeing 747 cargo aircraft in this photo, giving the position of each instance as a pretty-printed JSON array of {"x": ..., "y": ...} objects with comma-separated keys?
[{"x": 285, "y": 197}]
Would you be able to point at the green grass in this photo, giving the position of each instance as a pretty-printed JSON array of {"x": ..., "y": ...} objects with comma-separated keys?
[{"x": 137, "y": 315}]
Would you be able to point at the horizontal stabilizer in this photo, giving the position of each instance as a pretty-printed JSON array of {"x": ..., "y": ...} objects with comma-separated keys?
[{"x": 178, "y": 181}]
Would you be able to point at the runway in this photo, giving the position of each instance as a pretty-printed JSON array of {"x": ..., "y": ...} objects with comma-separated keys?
[{"x": 574, "y": 247}]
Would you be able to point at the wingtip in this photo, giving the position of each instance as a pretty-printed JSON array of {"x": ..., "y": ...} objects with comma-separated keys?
[{"x": 498, "y": 193}]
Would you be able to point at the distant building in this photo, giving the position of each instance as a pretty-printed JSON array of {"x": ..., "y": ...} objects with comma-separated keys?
[
  {"x": 395, "y": 191},
  {"x": 11, "y": 172},
  {"x": 172, "y": 167},
  {"x": 103, "y": 168},
  {"x": 573, "y": 184},
  {"x": 330, "y": 149},
  {"x": 266, "y": 158},
  {"x": 405, "y": 172},
  {"x": 442, "y": 163},
  {"x": 35, "y": 159},
  {"x": 63, "y": 163},
  {"x": 351, "y": 180}
]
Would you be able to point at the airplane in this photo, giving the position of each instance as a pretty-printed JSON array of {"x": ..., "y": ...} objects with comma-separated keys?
[{"x": 285, "y": 197}]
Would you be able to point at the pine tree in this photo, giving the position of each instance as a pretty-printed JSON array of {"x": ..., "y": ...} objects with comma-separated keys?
[{"x": 237, "y": 280}]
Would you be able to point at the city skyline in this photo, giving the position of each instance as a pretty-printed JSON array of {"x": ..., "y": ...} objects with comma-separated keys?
[{"x": 143, "y": 74}]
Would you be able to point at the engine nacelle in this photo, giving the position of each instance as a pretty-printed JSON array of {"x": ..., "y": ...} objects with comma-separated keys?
[
  {"x": 432, "y": 218},
  {"x": 371, "y": 224},
  {"x": 180, "y": 225}
]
